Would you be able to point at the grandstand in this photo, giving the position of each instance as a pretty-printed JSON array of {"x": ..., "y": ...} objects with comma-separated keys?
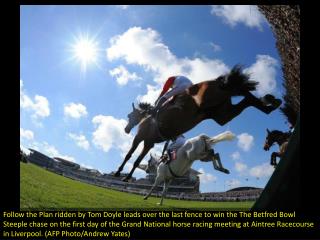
[{"x": 186, "y": 187}]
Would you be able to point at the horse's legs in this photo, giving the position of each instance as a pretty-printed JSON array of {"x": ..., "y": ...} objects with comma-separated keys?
[
  {"x": 228, "y": 111},
  {"x": 164, "y": 191},
  {"x": 145, "y": 150},
  {"x": 257, "y": 103},
  {"x": 134, "y": 146},
  {"x": 218, "y": 165},
  {"x": 156, "y": 183},
  {"x": 274, "y": 156}
]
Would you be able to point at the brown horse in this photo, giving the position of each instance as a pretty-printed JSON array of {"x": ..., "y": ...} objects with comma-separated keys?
[
  {"x": 205, "y": 100},
  {"x": 281, "y": 138}
]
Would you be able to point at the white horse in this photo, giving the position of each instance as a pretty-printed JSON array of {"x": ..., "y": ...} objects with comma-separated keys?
[{"x": 193, "y": 149}]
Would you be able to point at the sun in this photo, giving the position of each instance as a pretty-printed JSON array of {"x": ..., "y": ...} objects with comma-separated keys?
[{"x": 85, "y": 50}]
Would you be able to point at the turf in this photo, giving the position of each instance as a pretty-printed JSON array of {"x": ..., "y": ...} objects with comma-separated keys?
[{"x": 42, "y": 189}]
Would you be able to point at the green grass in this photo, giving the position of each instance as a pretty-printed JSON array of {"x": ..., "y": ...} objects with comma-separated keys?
[{"x": 41, "y": 189}]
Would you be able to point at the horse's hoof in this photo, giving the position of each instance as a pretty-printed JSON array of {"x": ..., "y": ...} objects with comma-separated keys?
[
  {"x": 159, "y": 203},
  {"x": 226, "y": 171},
  {"x": 272, "y": 102},
  {"x": 276, "y": 103}
]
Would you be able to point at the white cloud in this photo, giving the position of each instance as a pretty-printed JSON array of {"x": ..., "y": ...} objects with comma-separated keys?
[
  {"x": 50, "y": 150},
  {"x": 233, "y": 14},
  {"x": 80, "y": 140},
  {"x": 263, "y": 170},
  {"x": 153, "y": 93},
  {"x": 39, "y": 105},
  {"x": 145, "y": 48},
  {"x": 156, "y": 151},
  {"x": 74, "y": 110},
  {"x": 109, "y": 133},
  {"x": 235, "y": 156},
  {"x": 27, "y": 134},
  {"x": 206, "y": 177},
  {"x": 124, "y": 7},
  {"x": 86, "y": 166},
  {"x": 233, "y": 183},
  {"x": 122, "y": 75},
  {"x": 264, "y": 72},
  {"x": 66, "y": 157},
  {"x": 245, "y": 141},
  {"x": 25, "y": 150},
  {"x": 216, "y": 47},
  {"x": 241, "y": 167}
]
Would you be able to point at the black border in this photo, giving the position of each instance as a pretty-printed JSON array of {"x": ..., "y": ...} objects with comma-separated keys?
[{"x": 10, "y": 199}]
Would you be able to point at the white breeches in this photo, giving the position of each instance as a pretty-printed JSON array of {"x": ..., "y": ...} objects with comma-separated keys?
[{"x": 176, "y": 90}]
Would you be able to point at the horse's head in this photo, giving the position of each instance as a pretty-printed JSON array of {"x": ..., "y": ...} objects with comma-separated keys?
[
  {"x": 134, "y": 118},
  {"x": 137, "y": 115},
  {"x": 272, "y": 137},
  {"x": 152, "y": 164}
]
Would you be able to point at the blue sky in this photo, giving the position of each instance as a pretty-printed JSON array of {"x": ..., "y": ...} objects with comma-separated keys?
[{"x": 81, "y": 67}]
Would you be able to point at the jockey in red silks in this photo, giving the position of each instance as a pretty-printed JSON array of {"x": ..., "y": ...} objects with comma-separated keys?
[{"x": 178, "y": 85}]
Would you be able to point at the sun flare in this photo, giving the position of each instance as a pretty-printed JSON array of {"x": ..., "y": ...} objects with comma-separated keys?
[{"x": 85, "y": 50}]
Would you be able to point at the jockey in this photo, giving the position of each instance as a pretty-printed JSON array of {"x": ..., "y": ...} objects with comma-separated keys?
[
  {"x": 173, "y": 148},
  {"x": 178, "y": 85}
]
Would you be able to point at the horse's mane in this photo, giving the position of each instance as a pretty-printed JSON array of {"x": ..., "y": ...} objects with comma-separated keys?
[
  {"x": 237, "y": 82},
  {"x": 145, "y": 106}
]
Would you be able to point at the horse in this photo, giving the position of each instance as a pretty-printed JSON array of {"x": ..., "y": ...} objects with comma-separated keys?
[
  {"x": 206, "y": 100},
  {"x": 281, "y": 138},
  {"x": 152, "y": 164},
  {"x": 196, "y": 148}
]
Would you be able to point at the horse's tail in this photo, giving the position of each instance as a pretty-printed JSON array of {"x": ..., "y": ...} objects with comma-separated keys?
[
  {"x": 237, "y": 82},
  {"x": 225, "y": 136}
]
